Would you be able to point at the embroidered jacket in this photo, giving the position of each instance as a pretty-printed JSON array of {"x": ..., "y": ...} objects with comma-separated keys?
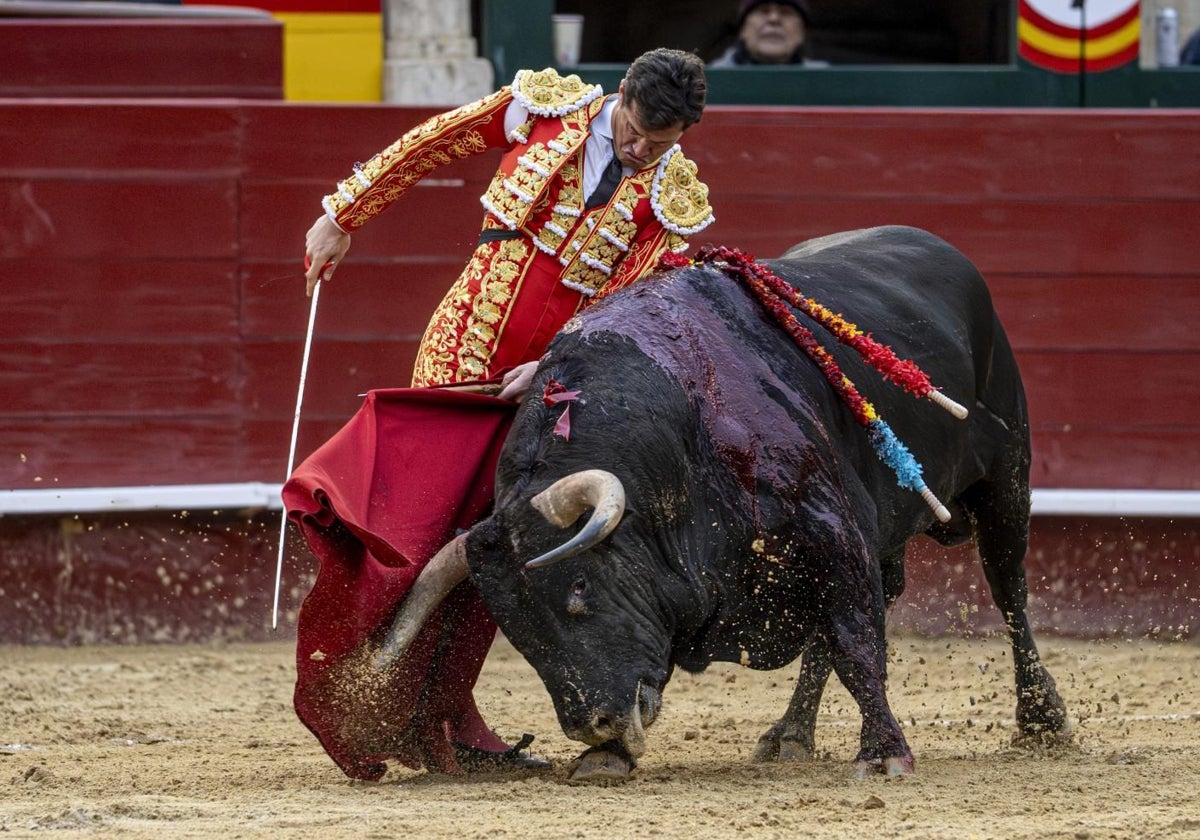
[{"x": 538, "y": 187}]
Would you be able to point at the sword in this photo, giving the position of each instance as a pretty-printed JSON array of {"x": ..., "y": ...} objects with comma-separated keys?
[{"x": 312, "y": 320}]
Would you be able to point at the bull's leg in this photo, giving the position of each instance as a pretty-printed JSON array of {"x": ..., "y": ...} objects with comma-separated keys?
[
  {"x": 793, "y": 736},
  {"x": 860, "y": 661},
  {"x": 1001, "y": 513},
  {"x": 858, "y": 649}
]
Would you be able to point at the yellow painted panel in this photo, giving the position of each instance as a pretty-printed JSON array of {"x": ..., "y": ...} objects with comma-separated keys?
[{"x": 332, "y": 57}]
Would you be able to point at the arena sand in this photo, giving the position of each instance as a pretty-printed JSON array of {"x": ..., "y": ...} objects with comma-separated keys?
[{"x": 201, "y": 741}]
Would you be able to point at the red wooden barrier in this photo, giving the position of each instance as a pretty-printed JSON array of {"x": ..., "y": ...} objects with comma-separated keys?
[
  {"x": 151, "y": 253},
  {"x": 146, "y": 57},
  {"x": 153, "y": 316}
]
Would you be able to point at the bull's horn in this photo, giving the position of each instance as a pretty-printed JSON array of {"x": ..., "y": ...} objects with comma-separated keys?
[
  {"x": 445, "y": 571},
  {"x": 564, "y": 501}
]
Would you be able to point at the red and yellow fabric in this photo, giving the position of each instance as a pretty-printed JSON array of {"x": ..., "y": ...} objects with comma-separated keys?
[
  {"x": 514, "y": 294},
  {"x": 1057, "y": 37}
]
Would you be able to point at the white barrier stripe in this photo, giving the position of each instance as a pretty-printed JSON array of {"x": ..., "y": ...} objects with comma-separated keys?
[
  {"x": 189, "y": 497},
  {"x": 1153, "y": 503},
  {"x": 257, "y": 494}
]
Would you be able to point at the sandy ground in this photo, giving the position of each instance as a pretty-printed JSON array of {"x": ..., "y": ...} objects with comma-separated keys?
[{"x": 191, "y": 741}]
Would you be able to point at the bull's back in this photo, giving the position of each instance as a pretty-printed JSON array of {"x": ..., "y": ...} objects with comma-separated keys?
[
  {"x": 907, "y": 288},
  {"x": 921, "y": 296}
]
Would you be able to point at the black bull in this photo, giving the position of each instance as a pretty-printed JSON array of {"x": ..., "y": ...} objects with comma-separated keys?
[{"x": 758, "y": 524}]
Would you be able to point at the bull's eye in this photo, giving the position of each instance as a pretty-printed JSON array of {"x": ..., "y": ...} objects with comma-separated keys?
[{"x": 577, "y": 600}]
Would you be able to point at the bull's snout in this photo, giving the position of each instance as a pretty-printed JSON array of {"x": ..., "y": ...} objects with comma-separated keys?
[{"x": 598, "y": 726}]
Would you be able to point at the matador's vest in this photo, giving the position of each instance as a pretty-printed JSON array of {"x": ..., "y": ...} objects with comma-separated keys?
[{"x": 538, "y": 187}]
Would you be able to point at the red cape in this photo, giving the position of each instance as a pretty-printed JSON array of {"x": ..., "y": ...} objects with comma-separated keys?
[{"x": 375, "y": 502}]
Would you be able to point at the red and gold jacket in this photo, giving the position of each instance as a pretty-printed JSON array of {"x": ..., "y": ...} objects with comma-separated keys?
[{"x": 538, "y": 187}]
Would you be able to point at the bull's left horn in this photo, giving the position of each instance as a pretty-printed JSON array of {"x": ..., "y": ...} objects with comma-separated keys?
[
  {"x": 564, "y": 501},
  {"x": 441, "y": 574}
]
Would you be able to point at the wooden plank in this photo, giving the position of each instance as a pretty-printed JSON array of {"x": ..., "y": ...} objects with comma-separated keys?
[
  {"x": 1095, "y": 312},
  {"x": 319, "y": 142},
  {"x": 338, "y": 371},
  {"x": 152, "y": 578},
  {"x": 1088, "y": 576},
  {"x": 42, "y": 453},
  {"x": 128, "y": 379},
  {"x": 1033, "y": 237},
  {"x": 1125, "y": 457},
  {"x": 829, "y": 153},
  {"x": 954, "y": 154},
  {"x": 367, "y": 300},
  {"x": 114, "y": 57},
  {"x": 1143, "y": 390},
  {"x": 438, "y": 217},
  {"x": 134, "y": 219},
  {"x": 264, "y": 445},
  {"x": 53, "y": 300},
  {"x": 80, "y": 139}
]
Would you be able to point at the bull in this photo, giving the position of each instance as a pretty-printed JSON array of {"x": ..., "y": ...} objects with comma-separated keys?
[{"x": 738, "y": 513}]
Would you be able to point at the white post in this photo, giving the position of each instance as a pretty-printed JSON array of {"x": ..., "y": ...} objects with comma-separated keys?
[{"x": 430, "y": 56}]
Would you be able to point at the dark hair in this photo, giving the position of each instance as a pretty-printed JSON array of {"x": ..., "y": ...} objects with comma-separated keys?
[{"x": 666, "y": 87}]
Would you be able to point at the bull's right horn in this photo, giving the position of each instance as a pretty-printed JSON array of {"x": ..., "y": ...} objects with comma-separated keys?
[
  {"x": 564, "y": 501},
  {"x": 441, "y": 574}
]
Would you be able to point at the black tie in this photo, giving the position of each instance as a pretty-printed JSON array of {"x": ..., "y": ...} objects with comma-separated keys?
[{"x": 608, "y": 184}]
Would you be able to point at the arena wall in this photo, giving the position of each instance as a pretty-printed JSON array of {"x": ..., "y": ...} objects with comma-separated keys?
[{"x": 154, "y": 320}]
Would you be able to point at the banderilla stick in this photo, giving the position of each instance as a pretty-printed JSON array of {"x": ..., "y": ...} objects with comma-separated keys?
[{"x": 312, "y": 320}]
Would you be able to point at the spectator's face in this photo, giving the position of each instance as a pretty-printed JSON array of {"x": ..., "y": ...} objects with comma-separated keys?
[
  {"x": 772, "y": 32},
  {"x": 638, "y": 146}
]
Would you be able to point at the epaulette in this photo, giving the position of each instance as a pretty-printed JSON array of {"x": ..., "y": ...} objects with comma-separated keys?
[
  {"x": 679, "y": 198},
  {"x": 547, "y": 94}
]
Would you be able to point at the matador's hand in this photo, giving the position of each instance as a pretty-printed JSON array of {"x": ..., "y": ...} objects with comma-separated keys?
[
  {"x": 515, "y": 383},
  {"x": 324, "y": 246}
]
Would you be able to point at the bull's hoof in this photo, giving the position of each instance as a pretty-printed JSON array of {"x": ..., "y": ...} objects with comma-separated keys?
[
  {"x": 1041, "y": 712},
  {"x": 607, "y": 763},
  {"x": 778, "y": 745},
  {"x": 1036, "y": 740},
  {"x": 892, "y": 767}
]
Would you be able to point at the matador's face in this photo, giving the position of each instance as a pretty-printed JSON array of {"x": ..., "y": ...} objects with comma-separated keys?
[{"x": 638, "y": 146}]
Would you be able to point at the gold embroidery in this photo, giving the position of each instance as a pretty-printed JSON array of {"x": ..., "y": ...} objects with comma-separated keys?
[
  {"x": 595, "y": 254},
  {"x": 514, "y": 198},
  {"x": 461, "y": 337},
  {"x": 549, "y": 94},
  {"x": 681, "y": 199},
  {"x": 675, "y": 242},
  {"x": 534, "y": 169},
  {"x": 433, "y": 143},
  {"x": 565, "y": 213}
]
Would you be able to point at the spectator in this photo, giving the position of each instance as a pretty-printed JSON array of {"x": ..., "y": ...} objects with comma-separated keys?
[{"x": 769, "y": 32}]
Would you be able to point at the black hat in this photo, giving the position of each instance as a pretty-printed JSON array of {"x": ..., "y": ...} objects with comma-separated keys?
[{"x": 747, "y": 6}]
